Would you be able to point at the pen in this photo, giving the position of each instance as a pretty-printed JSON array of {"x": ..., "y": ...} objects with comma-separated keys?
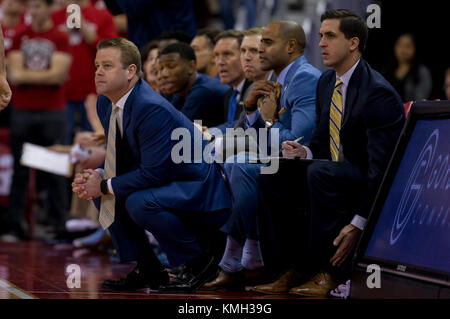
[
  {"x": 296, "y": 141},
  {"x": 299, "y": 139}
]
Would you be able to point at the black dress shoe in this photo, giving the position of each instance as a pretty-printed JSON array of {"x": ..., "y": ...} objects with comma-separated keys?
[
  {"x": 193, "y": 275},
  {"x": 138, "y": 279}
]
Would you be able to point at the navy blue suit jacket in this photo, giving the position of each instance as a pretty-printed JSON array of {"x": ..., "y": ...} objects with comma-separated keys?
[
  {"x": 204, "y": 101},
  {"x": 373, "y": 119},
  {"x": 148, "y": 123},
  {"x": 298, "y": 97}
]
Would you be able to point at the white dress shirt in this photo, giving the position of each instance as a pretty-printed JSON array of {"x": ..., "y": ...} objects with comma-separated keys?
[{"x": 121, "y": 105}]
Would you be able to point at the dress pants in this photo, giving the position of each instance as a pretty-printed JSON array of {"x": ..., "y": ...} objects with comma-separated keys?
[
  {"x": 178, "y": 232},
  {"x": 335, "y": 193},
  {"x": 302, "y": 209},
  {"x": 242, "y": 177}
]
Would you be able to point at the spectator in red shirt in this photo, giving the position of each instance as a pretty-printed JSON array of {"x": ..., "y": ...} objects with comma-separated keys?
[
  {"x": 96, "y": 25},
  {"x": 11, "y": 23},
  {"x": 38, "y": 66}
]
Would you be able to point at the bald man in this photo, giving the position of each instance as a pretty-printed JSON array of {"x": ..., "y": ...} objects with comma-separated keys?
[{"x": 281, "y": 49}]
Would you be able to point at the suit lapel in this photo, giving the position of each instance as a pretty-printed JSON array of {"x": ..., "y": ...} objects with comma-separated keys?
[
  {"x": 288, "y": 78},
  {"x": 129, "y": 106},
  {"x": 352, "y": 92}
]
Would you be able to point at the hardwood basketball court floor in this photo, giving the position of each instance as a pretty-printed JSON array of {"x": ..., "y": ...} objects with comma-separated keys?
[{"x": 33, "y": 269}]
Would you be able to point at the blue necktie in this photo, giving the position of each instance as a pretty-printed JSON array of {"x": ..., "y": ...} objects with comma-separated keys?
[{"x": 232, "y": 106}]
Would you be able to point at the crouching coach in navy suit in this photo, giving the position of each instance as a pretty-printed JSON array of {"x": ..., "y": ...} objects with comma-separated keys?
[{"x": 140, "y": 187}]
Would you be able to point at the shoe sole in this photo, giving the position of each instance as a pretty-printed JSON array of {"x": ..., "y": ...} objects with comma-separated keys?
[{"x": 271, "y": 292}]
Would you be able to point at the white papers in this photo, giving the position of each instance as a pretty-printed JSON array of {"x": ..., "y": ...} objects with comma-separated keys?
[{"x": 41, "y": 158}]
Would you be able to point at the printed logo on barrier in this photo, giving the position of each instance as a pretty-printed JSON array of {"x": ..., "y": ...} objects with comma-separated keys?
[{"x": 429, "y": 175}]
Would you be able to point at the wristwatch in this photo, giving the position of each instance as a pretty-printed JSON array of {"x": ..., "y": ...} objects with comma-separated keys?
[
  {"x": 269, "y": 123},
  {"x": 104, "y": 186}
]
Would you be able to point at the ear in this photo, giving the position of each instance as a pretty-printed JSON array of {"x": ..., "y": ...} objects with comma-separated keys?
[
  {"x": 131, "y": 71},
  {"x": 192, "y": 66},
  {"x": 354, "y": 44},
  {"x": 291, "y": 46}
]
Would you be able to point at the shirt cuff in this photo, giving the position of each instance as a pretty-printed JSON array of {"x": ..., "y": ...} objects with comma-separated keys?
[
  {"x": 251, "y": 118},
  {"x": 110, "y": 189},
  {"x": 309, "y": 154},
  {"x": 359, "y": 222}
]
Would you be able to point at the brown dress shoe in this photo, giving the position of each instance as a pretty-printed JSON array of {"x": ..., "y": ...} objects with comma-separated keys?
[
  {"x": 230, "y": 281},
  {"x": 319, "y": 286},
  {"x": 282, "y": 285}
]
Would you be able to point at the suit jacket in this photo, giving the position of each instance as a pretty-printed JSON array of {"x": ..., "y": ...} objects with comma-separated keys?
[
  {"x": 149, "y": 120},
  {"x": 373, "y": 119},
  {"x": 204, "y": 101},
  {"x": 298, "y": 97}
]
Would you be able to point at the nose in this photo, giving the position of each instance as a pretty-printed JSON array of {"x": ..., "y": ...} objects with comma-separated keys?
[
  {"x": 261, "y": 48},
  {"x": 219, "y": 60},
  {"x": 163, "y": 72},
  {"x": 322, "y": 43},
  {"x": 98, "y": 71}
]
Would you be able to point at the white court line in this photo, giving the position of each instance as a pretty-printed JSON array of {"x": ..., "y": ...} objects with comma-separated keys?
[{"x": 14, "y": 290}]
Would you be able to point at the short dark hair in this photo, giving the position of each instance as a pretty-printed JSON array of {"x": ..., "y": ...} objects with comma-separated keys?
[
  {"x": 350, "y": 24},
  {"x": 210, "y": 33},
  {"x": 129, "y": 53},
  {"x": 145, "y": 51},
  {"x": 238, "y": 35},
  {"x": 184, "y": 50}
]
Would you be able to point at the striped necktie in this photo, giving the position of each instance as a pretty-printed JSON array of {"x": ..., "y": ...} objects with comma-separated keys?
[
  {"x": 107, "y": 208},
  {"x": 335, "y": 120},
  {"x": 278, "y": 88}
]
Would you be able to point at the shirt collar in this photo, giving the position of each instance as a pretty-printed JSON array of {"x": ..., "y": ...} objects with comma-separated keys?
[
  {"x": 345, "y": 78},
  {"x": 121, "y": 103},
  {"x": 282, "y": 76},
  {"x": 240, "y": 86}
]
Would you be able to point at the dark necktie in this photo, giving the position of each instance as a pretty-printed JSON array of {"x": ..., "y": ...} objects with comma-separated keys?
[{"x": 232, "y": 104}]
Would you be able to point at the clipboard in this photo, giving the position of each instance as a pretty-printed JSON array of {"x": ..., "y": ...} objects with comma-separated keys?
[
  {"x": 265, "y": 160},
  {"x": 41, "y": 158}
]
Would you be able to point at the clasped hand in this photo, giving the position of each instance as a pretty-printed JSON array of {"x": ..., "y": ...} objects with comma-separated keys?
[
  {"x": 265, "y": 89},
  {"x": 87, "y": 184}
]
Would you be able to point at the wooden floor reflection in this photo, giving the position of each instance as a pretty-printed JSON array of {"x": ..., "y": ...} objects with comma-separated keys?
[{"x": 37, "y": 270}]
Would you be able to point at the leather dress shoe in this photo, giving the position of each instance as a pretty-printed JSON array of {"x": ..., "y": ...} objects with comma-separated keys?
[
  {"x": 319, "y": 286},
  {"x": 138, "y": 279},
  {"x": 282, "y": 285},
  {"x": 227, "y": 280},
  {"x": 194, "y": 274}
]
